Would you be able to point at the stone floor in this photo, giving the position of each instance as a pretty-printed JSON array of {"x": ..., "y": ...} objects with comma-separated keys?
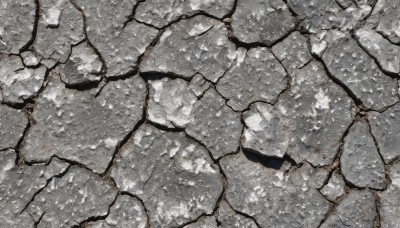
[{"x": 199, "y": 113}]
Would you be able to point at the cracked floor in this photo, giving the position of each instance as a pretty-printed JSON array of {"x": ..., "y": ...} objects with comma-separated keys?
[{"x": 199, "y": 113}]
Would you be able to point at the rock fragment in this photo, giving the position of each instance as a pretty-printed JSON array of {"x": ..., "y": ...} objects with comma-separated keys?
[
  {"x": 215, "y": 124},
  {"x": 261, "y": 21},
  {"x": 360, "y": 162},
  {"x": 356, "y": 210},
  {"x": 389, "y": 199},
  {"x": 119, "y": 42},
  {"x": 30, "y": 58},
  {"x": 72, "y": 199},
  {"x": 348, "y": 62},
  {"x": 12, "y": 126},
  {"x": 334, "y": 188},
  {"x": 81, "y": 127},
  {"x": 257, "y": 76},
  {"x": 261, "y": 192},
  {"x": 173, "y": 175},
  {"x": 205, "y": 222},
  {"x": 196, "y": 45},
  {"x": 384, "y": 19},
  {"x": 385, "y": 128},
  {"x": 228, "y": 218},
  {"x": 82, "y": 67},
  {"x": 199, "y": 85},
  {"x": 18, "y": 83},
  {"x": 160, "y": 13}
]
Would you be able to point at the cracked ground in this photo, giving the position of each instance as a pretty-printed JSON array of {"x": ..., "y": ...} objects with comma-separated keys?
[{"x": 199, "y": 113}]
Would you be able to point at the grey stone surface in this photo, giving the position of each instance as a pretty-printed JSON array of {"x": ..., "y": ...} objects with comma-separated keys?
[
  {"x": 81, "y": 127},
  {"x": 173, "y": 175},
  {"x": 160, "y": 13},
  {"x": 30, "y": 58},
  {"x": 360, "y": 162},
  {"x": 384, "y": 19},
  {"x": 199, "y": 85},
  {"x": 389, "y": 200},
  {"x": 348, "y": 62},
  {"x": 196, "y": 45},
  {"x": 12, "y": 126},
  {"x": 215, "y": 124},
  {"x": 356, "y": 210},
  {"x": 72, "y": 199},
  {"x": 228, "y": 218},
  {"x": 205, "y": 222},
  {"x": 119, "y": 41},
  {"x": 18, "y": 83},
  {"x": 334, "y": 188},
  {"x": 256, "y": 76},
  {"x": 261, "y": 21}
]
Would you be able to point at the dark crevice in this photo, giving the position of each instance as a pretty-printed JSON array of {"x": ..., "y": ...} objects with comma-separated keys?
[
  {"x": 243, "y": 214},
  {"x": 143, "y": 205},
  {"x": 377, "y": 221},
  {"x": 268, "y": 161},
  {"x": 35, "y": 27}
]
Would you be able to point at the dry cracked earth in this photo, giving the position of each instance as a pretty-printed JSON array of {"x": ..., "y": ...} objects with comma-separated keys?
[{"x": 199, "y": 113}]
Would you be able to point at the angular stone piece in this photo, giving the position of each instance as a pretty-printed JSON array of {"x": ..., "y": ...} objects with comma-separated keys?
[
  {"x": 199, "y": 85},
  {"x": 12, "y": 126},
  {"x": 196, "y": 45},
  {"x": 385, "y": 128},
  {"x": 257, "y": 76},
  {"x": 228, "y": 218},
  {"x": 60, "y": 26},
  {"x": 173, "y": 175},
  {"x": 384, "y": 19},
  {"x": 261, "y": 21},
  {"x": 83, "y": 66},
  {"x": 19, "y": 186},
  {"x": 171, "y": 102},
  {"x": 360, "y": 161},
  {"x": 18, "y": 83},
  {"x": 160, "y": 13},
  {"x": 78, "y": 126},
  {"x": 17, "y": 19},
  {"x": 72, "y": 199},
  {"x": 261, "y": 192},
  {"x": 119, "y": 42},
  {"x": 267, "y": 130},
  {"x": 292, "y": 52},
  {"x": 215, "y": 124},
  {"x": 334, "y": 188},
  {"x": 356, "y": 210},
  {"x": 389, "y": 199},
  {"x": 348, "y": 62},
  {"x": 30, "y": 58},
  {"x": 386, "y": 53}
]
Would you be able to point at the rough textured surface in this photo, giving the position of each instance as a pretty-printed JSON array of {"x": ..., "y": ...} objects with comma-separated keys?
[
  {"x": 389, "y": 208},
  {"x": 334, "y": 188},
  {"x": 12, "y": 125}
]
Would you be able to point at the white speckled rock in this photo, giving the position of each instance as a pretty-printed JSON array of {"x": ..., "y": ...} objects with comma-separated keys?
[
  {"x": 72, "y": 199},
  {"x": 160, "y": 13},
  {"x": 389, "y": 200},
  {"x": 384, "y": 19},
  {"x": 77, "y": 126},
  {"x": 173, "y": 175},
  {"x": 334, "y": 188},
  {"x": 12, "y": 125},
  {"x": 215, "y": 124},
  {"x": 360, "y": 162},
  {"x": 30, "y": 58},
  {"x": 18, "y": 83},
  {"x": 256, "y": 76},
  {"x": 261, "y": 21},
  {"x": 196, "y": 45}
]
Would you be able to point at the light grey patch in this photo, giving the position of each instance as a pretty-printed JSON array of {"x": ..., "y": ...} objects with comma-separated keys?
[{"x": 12, "y": 126}]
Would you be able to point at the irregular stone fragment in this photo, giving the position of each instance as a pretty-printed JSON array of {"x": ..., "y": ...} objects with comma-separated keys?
[
  {"x": 257, "y": 76},
  {"x": 271, "y": 197},
  {"x": 173, "y": 175},
  {"x": 389, "y": 209},
  {"x": 356, "y": 210},
  {"x": 360, "y": 161},
  {"x": 119, "y": 42},
  {"x": 228, "y": 218},
  {"x": 319, "y": 113},
  {"x": 126, "y": 212},
  {"x": 386, "y": 53},
  {"x": 334, "y": 188},
  {"x": 196, "y": 45},
  {"x": 205, "y": 222},
  {"x": 60, "y": 26},
  {"x": 348, "y": 62},
  {"x": 199, "y": 85},
  {"x": 81, "y": 127},
  {"x": 17, "y": 19},
  {"x": 72, "y": 199},
  {"x": 261, "y": 21},
  {"x": 317, "y": 15},
  {"x": 17, "y": 82},
  {"x": 385, "y": 128},
  {"x": 292, "y": 52},
  {"x": 12, "y": 126},
  {"x": 215, "y": 124},
  {"x": 318, "y": 43},
  {"x": 30, "y": 58},
  {"x": 267, "y": 130},
  {"x": 384, "y": 19},
  {"x": 171, "y": 102},
  {"x": 160, "y": 13},
  {"x": 83, "y": 66},
  {"x": 19, "y": 186}
]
